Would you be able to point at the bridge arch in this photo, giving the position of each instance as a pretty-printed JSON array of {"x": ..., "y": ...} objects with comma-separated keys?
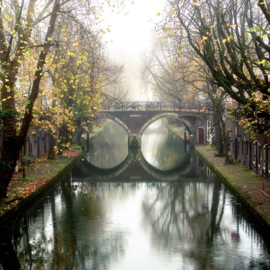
[
  {"x": 115, "y": 119},
  {"x": 79, "y": 131},
  {"x": 163, "y": 115}
]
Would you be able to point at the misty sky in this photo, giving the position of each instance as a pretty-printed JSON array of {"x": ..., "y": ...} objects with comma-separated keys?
[{"x": 131, "y": 35}]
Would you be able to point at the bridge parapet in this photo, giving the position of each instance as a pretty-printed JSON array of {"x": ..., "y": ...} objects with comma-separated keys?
[{"x": 154, "y": 106}]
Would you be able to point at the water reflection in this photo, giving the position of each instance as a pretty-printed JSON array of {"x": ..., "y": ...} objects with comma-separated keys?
[
  {"x": 161, "y": 148},
  {"x": 110, "y": 148},
  {"x": 169, "y": 225}
]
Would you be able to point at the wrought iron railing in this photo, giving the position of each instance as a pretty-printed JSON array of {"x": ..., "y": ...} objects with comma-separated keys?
[{"x": 154, "y": 106}]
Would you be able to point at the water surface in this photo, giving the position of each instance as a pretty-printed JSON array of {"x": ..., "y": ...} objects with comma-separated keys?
[{"x": 144, "y": 221}]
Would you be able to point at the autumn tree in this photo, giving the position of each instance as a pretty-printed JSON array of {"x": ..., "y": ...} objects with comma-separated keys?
[
  {"x": 232, "y": 39},
  {"x": 26, "y": 29}
]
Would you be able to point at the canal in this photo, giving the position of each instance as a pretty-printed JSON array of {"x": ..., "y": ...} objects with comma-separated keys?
[{"x": 119, "y": 209}]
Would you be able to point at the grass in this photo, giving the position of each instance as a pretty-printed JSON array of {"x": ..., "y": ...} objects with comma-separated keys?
[
  {"x": 210, "y": 147},
  {"x": 25, "y": 179}
]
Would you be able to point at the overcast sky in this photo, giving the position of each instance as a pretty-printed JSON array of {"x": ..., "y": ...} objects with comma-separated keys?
[{"x": 131, "y": 35}]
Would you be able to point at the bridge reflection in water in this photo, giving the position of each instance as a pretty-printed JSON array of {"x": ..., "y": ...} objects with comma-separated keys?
[
  {"x": 163, "y": 157},
  {"x": 135, "y": 167}
]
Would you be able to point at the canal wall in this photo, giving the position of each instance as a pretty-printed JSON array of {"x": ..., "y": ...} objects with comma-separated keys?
[
  {"x": 93, "y": 134},
  {"x": 244, "y": 183},
  {"x": 174, "y": 130},
  {"x": 19, "y": 202}
]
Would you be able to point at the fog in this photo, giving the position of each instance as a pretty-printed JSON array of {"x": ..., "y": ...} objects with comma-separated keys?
[{"x": 131, "y": 34}]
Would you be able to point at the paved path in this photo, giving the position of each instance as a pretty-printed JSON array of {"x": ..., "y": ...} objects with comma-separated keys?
[{"x": 243, "y": 182}]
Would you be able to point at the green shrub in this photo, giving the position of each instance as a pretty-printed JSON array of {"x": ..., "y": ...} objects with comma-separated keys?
[
  {"x": 229, "y": 161},
  {"x": 219, "y": 155}
]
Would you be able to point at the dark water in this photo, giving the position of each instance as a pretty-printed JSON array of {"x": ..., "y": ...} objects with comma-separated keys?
[{"x": 176, "y": 215}]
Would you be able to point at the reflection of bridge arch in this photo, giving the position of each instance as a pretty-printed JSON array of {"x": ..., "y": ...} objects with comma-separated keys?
[{"x": 138, "y": 169}]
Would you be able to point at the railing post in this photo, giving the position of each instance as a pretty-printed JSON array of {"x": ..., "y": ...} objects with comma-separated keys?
[
  {"x": 266, "y": 162},
  {"x": 244, "y": 152},
  {"x": 87, "y": 142},
  {"x": 256, "y": 156},
  {"x": 160, "y": 106},
  {"x": 250, "y": 155},
  {"x": 235, "y": 148},
  {"x": 174, "y": 104}
]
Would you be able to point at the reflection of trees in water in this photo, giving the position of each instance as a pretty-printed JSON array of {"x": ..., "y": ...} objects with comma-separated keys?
[
  {"x": 69, "y": 230},
  {"x": 161, "y": 148},
  {"x": 62, "y": 232},
  {"x": 111, "y": 147},
  {"x": 188, "y": 218}
]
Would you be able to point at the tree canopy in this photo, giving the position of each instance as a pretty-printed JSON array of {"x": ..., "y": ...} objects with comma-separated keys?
[{"x": 232, "y": 39}]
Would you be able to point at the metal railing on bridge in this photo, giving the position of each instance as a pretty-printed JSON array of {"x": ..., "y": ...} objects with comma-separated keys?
[{"x": 154, "y": 106}]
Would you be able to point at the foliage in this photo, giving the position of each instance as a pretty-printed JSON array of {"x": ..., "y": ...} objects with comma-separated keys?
[
  {"x": 230, "y": 161},
  {"x": 219, "y": 155},
  {"x": 4, "y": 165},
  {"x": 39, "y": 39},
  {"x": 25, "y": 179},
  {"x": 28, "y": 159},
  {"x": 231, "y": 38},
  {"x": 210, "y": 147}
]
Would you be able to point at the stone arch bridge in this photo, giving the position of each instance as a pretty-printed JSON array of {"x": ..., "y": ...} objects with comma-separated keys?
[{"x": 135, "y": 121}]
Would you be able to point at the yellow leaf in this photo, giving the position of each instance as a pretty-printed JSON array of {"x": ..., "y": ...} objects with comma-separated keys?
[
  {"x": 184, "y": 35},
  {"x": 233, "y": 25},
  {"x": 158, "y": 14},
  {"x": 195, "y": 3},
  {"x": 211, "y": 26},
  {"x": 4, "y": 99},
  {"x": 224, "y": 40},
  {"x": 202, "y": 16}
]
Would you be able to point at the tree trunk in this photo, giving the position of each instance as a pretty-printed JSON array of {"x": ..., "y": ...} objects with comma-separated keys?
[
  {"x": 64, "y": 134},
  {"x": 12, "y": 143},
  {"x": 51, "y": 154},
  {"x": 11, "y": 150},
  {"x": 8, "y": 256},
  {"x": 218, "y": 137},
  {"x": 24, "y": 157},
  {"x": 67, "y": 140},
  {"x": 225, "y": 140}
]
